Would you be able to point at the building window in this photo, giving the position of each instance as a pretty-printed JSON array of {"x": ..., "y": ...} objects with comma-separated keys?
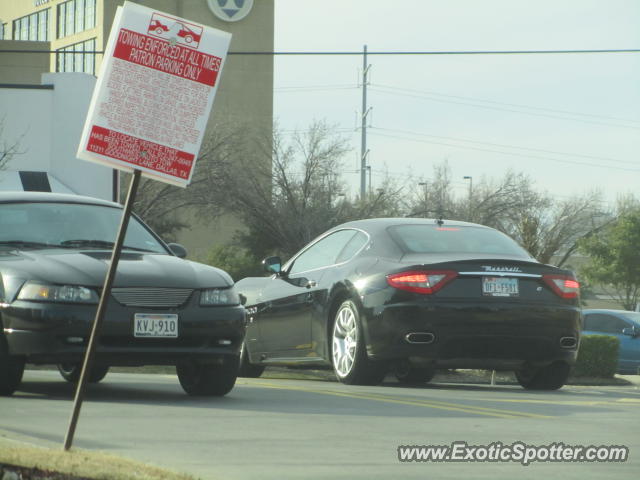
[
  {"x": 3, "y": 28},
  {"x": 34, "y": 27},
  {"x": 43, "y": 24},
  {"x": 90, "y": 13},
  {"x": 78, "y": 57},
  {"x": 76, "y": 16},
  {"x": 79, "y": 15}
]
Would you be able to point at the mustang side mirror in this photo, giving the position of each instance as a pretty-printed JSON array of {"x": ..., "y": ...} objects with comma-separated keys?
[
  {"x": 272, "y": 265},
  {"x": 178, "y": 250}
]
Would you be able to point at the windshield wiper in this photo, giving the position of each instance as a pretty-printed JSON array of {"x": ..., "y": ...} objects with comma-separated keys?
[
  {"x": 25, "y": 244},
  {"x": 100, "y": 244}
]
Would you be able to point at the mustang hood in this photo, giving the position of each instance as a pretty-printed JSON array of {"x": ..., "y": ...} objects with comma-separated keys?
[{"x": 89, "y": 268}]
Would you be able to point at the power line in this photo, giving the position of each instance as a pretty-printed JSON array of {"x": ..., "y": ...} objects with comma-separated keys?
[
  {"x": 451, "y": 52},
  {"x": 407, "y": 91},
  {"x": 539, "y": 157},
  {"x": 376, "y": 130},
  {"x": 424, "y": 92},
  {"x": 489, "y": 107},
  {"x": 389, "y": 52},
  {"x": 593, "y": 157},
  {"x": 313, "y": 88}
]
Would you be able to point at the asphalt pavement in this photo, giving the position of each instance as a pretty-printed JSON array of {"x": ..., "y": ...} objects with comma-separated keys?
[{"x": 291, "y": 429}]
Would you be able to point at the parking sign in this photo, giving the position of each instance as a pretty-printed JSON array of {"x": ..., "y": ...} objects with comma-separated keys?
[{"x": 154, "y": 94}]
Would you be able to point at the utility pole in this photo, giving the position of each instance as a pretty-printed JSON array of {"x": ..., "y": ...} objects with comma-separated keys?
[{"x": 365, "y": 112}]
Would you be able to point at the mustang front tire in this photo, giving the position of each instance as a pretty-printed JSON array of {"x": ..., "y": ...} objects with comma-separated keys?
[
  {"x": 208, "y": 380},
  {"x": 11, "y": 370},
  {"x": 71, "y": 372}
]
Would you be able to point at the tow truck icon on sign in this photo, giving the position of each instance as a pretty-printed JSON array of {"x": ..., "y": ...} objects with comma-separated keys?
[{"x": 169, "y": 28}]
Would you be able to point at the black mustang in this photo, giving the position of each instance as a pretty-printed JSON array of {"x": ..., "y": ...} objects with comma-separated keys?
[
  {"x": 413, "y": 295},
  {"x": 164, "y": 310}
]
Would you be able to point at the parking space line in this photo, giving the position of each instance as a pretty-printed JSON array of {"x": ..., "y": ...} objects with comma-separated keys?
[
  {"x": 491, "y": 412},
  {"x": 577, "y": 403}
]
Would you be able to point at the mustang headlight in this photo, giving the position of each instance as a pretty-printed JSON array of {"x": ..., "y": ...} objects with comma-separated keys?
[
  {"x": 219, "y": 296},
  {"x": 57, "y": 293}
]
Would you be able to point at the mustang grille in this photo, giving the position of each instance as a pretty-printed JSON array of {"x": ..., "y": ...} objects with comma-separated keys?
[{"x": 151, "y": 297}]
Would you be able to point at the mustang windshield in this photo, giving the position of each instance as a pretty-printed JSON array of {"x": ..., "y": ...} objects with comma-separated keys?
[
  {"x": 454, "y": 239},
  {"x": 70, "y": 225}
]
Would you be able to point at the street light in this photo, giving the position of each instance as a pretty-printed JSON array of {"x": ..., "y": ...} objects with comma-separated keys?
[
  {"x": 426, "y": 186},
  {"x": 467, "y": 177},
  {"x": 470, "y": 178}
]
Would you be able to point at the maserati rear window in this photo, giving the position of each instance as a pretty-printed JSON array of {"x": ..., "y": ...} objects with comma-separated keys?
[{"x": 454, "y": 239}]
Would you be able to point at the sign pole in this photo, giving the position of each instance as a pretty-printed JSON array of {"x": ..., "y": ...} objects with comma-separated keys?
[{"x": 102, "y": 306}]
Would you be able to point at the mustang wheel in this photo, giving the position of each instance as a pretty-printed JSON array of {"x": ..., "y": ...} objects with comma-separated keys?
[
  {"x": 551, "y": 377},
  {"x": 71, "y": 372},
  {"x": 348, "y": 352},
  {"x": 410, "y": 375},
  {"x": 248, "y": 369},
  {"x": 11, "y": 370},
  {"x": 208, "y": 380}
]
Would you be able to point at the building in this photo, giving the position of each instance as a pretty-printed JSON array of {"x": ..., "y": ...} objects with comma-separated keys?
[
  {"x": 72, "y": 35},
  {"x": 46, "y": 159}
]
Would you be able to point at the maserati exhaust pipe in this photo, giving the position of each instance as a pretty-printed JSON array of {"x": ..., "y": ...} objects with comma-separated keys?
[
  {"x": 420, "y": 337},
  {"x": 568, "y": 342}
]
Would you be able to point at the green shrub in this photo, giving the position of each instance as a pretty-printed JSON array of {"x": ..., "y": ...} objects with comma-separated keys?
[
  {"x": 597, "y": 356},
  {"x": 236, "y": 261}
]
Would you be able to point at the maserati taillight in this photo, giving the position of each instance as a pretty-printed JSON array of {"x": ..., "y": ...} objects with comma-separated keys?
[
  {"x": 565, "y": 286},
  {"x": 418, "y": 281}
]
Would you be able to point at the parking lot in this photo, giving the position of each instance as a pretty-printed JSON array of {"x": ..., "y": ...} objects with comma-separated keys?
[{"x": 291, "y": 428}]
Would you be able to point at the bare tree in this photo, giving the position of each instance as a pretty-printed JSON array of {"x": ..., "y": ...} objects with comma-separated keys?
[
  {"x": 289, "y": 192},
  {"x": 435, "y": 199},
  {"x": 547, "y": 228},
  {"x": 490, "y": 203},
  {"x": 294, "y": 190},
  {"x": 8, "y": 149},
  {"x": 553, "y": 227},
  {"x": 163, "y": 205}
]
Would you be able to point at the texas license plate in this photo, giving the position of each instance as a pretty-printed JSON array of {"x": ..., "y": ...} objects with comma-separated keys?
[
  {"x": 153, "y": 325},
  {"x": 500, "y": 286}
]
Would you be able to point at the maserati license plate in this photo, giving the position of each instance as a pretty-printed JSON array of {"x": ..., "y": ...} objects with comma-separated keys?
[{"x": 500, "y": 286}]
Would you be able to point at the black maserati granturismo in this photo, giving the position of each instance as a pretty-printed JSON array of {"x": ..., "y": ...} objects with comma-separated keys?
[{"x": 409, "y": 296}]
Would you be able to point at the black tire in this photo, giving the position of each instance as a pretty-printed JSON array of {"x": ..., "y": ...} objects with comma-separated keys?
[
  {"x": 550, "y": 377},
  {"x": 208, "y": 380},
  {"x": 348, "y": 350},
  {"x": 408, "y": 374},
  {"x": 248, "y": 369},
  {"x": 11, "y": 370},
  {"x": 71, "y": 372}
]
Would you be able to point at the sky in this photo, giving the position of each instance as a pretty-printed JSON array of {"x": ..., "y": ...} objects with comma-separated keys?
[{"x": 569, "y": 121}]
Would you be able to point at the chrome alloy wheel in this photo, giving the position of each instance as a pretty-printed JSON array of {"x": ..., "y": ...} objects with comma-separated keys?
[{"x": 345, "y": 340}]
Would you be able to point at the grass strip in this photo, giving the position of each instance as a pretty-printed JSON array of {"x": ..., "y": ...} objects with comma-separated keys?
[{"x": 80, "y": 463}]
